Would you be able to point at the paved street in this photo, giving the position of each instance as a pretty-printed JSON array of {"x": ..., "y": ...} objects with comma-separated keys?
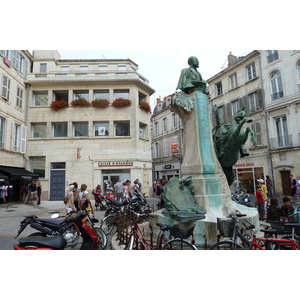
[{"x": 11, "y": 215}]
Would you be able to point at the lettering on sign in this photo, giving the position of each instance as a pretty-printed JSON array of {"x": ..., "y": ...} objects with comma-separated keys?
[
  {"x": 244, "y": 165},
  {"x": 115, "y": 163}
]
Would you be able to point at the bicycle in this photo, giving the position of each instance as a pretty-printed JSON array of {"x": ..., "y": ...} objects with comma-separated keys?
[
  {"x": 180, "y": 233},
  {"x": 230, "y": 228}
]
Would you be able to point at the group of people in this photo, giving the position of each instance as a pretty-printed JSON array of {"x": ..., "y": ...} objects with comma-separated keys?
[
  {"x": 32, "y": 192},
  {"x": 269, "y": 210},
  {"x": 159, "y": 186},
  {"x": 78, "y": 199}
]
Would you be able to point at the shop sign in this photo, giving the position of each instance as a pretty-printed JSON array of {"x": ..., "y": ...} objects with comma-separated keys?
[
  {"x": 174, "y": 147},
  {"x": 168, "y": 167},
  {"x": 244, "y": 165},
  {"x": 6, "y": 61},
  {"x": 115, "y": 163}
]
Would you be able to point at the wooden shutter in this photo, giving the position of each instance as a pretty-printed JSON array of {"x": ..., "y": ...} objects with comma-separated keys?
[{"x": 23, "y": 139}]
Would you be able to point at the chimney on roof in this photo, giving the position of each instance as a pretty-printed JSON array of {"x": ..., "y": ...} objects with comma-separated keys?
[
  {"x": 165, "y": 99},
  {"x": 231, "y": 59}
]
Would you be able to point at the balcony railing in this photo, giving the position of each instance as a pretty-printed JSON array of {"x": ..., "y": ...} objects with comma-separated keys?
[{"x": 281, "y": 142}]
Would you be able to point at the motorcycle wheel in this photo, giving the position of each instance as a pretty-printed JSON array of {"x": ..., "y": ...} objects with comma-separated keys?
[{"x": 102, "y": 237}]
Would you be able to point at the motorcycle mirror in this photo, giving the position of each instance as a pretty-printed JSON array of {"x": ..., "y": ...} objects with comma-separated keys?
[{"x": 55, "y": 216}]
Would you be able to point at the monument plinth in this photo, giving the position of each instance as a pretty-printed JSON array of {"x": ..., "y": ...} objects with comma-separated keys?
[{"x": 210, "y": 187}]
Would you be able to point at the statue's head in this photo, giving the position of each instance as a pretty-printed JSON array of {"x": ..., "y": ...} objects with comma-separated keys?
[
  {"x": 193, "y": 61},
  {"x": 240, "y": 115}
]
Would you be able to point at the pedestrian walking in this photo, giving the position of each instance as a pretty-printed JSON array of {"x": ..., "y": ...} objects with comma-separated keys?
[
  {"x": 39, "y": 192},
  {"x": 260, "y": 203},
  {"x": 293, "y": 187},
  {"x": 119, "y": 190},
  {"x": 298, "y": 189},
  {"x": 269, "y": 186}
]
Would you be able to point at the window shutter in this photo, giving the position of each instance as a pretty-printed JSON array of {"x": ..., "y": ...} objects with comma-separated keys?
[
  {"x": 260, "y": 99},
  {"x": 23, "y": 139},
  {"x": 228, "y": 112}
]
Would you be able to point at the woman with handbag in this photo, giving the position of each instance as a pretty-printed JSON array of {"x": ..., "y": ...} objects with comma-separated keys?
[{"x": 97, "y": 193}]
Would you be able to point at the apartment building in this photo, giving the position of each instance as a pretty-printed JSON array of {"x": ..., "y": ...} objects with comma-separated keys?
[
  {"x": 85, "y": 144},
  {"x": 14, "y": 65},
  {"x": 281, "y": 83},
  {"x": 166, "y": 140}
]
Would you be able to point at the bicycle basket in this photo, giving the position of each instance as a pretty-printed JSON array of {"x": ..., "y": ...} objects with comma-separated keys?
[
  {"x": 226, "y": 227},
  {"x": 182, "y": 230}
]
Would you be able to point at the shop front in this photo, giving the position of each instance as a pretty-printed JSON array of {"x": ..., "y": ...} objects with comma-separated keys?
[
  {"x": 16, "y": 178},
  {"x": 248, "y": 174}
]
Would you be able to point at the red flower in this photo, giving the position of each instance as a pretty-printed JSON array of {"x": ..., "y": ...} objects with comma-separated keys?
[
  {"x": 145, "y": 106},
  {"x": 121, "y": 102},
  {"x": 59, "y": 104}
]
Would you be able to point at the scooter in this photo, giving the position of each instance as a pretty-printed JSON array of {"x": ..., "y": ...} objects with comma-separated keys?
[
  {"x": 93, "y": 238},
  {"x": 241, "y": 198}
]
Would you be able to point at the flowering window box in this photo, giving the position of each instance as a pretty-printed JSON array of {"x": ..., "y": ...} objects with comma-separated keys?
[
  {"x": 100, "y": 103},
  {"x": 145, "y": 106},
  {"x": 59, "y": 104},
  {"x": 81, "y": 102},
  {"x": 121, "y": 102}
]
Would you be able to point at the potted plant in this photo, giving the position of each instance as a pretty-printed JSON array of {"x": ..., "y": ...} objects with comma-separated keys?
[
  {"x": 80, "y": 102},
  {"x": 59, "y": 104},
  {"x": 100, "y": 103},
  {"x": 145, "y": 106},
  {"x": 121, "y": 102}
]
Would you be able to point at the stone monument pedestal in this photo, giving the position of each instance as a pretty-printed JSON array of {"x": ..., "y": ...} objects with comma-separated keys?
[{"x": 211, "y": 190}]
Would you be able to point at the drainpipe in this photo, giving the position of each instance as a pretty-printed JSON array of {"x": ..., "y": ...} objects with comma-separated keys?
[
  {"x": 28, "y": 86},
  {"x": 267, "y": 127}
]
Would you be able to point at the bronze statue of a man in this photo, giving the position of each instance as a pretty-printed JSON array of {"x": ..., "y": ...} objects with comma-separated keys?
[{"x": 190, "y": 77}]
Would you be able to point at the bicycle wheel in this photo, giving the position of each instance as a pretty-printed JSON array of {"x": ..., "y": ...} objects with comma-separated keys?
[
  {"x": 178, "y": 244},
  {"x": 102, "y": 238},
  {"x": 108, "y": 224},
  {"x": 226, "y": 245}
]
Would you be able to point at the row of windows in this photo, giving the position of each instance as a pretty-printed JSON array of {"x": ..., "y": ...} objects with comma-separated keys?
[
  {"x": 85, "y": 68},
  {"x": 17, "y": 60},
  {"x": 6, "y": 91},
  {"x": 166, "y": 147},
  {"x": 175, "y": 120},
  {"x": 81, "y": 129},
  {"x": 42, "y": 98}
]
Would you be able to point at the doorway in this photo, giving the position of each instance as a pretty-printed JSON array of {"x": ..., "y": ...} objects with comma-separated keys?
[
  {"x": 113, "y": 176},
  {"x": 286, "y": 183}
]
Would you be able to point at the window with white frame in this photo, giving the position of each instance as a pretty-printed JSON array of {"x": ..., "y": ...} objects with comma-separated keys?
[
  {"x": 121, "y": 94},
  {"x": 38, "y": 165},
  {"x": 121, "y": 67},
  {"x": 143, "y": 131},
  {"x": 272, "y": 55},
  {"x": 81, "y": 95},
  {"x": 165, "y": 124},
  {"x": 80, "y": 129},
  {"x": 19, "y": 138},
  {"x": 5, "y": 87},
  {"x": 39, "y": 130},
  {"x": 233, "y": 81},
  {"x": 101, "y": 128},
  {"x": 251, "y": 71},
  {"x": 101, "y": 94},
  {"x": 257, "y": 130},
  {"x": 19, "y": 100},
  {"x": 156, "y": 127},
  {"x": 40, "y": 99},
  {"x": 64, "y": 70},
  {"x": 156, "y": 150},
  {"x": 43, "y": 68},
  {"x": 219, "y": 89},
  {"x": 234, "y": 107},
  {"x": 253, "y": 102},
  {"x": 122, "y": 128},
  {"x": 276, "y": 85},
  {"x": 175, "y": 120},
  {"x": 60, "y": 129},
  {"x": 84, "y": 70},
  {"x": 166, "y": 148},
  {"x": 282, "y": 131},
  {"x": 2, "y": 132}
]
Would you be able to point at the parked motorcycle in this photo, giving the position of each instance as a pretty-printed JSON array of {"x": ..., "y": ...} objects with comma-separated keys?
[
  {"x": 241, "y": 198},
  {"x": 71, "y": 230}
]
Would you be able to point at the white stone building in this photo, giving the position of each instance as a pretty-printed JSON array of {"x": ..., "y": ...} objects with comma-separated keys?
[
  {"x": 166, "y": 141},
  {"x": 14, "y": 65},
  {"x": 87, "y": 144}
]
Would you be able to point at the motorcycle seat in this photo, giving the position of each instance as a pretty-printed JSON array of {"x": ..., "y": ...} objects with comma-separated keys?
[
  {"x": 53, "y": 242},
  {"x": 53, "y": 221}
]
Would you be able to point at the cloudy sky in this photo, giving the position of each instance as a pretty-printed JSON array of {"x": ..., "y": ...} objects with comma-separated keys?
[{"x": 162, "y": 67}]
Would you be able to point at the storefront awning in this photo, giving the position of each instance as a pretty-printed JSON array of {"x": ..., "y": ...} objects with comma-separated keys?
[{"x": 17, "y": 173}]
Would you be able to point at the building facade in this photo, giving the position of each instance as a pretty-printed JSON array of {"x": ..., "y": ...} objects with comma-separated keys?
[
  {"x": 281, "y": 83},
  {"x": 86, "y": 144},
  {"x": 166, "y": 141},
  {"x": 266, "y": 83},
  {"x": 14, "y": 65}
]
